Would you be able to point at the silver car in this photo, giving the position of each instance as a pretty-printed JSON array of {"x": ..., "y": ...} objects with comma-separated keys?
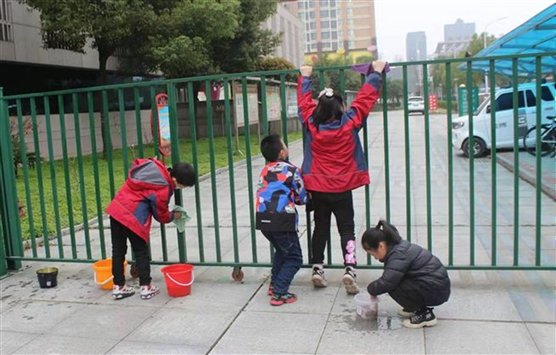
[{"x": 416, "y": 104}]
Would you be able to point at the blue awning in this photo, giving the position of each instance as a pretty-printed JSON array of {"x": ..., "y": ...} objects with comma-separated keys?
[{"x": 535, "y": 36}]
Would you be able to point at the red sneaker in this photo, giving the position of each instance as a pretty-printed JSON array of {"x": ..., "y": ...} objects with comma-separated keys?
[{"x": 277, "y": 300}]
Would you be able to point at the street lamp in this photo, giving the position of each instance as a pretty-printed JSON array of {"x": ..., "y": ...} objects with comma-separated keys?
[{"x": 485, "y": 44}]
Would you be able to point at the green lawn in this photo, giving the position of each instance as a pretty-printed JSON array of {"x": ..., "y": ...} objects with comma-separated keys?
[{"x": 61, "y": 200}]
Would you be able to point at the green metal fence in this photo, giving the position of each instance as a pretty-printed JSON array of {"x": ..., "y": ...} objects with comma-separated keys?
[{"x": 53, "y": 161}]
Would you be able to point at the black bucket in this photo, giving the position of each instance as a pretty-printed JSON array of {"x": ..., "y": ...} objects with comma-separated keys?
[{"x": 47, "y": 277}]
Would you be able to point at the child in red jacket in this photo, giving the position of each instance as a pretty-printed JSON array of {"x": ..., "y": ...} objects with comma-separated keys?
[
  {"x": 145, "y": 194},
  {"x": 334, "y": 164}
]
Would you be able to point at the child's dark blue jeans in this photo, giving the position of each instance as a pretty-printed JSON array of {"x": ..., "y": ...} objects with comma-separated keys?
[{"x": 287, "y": 259}]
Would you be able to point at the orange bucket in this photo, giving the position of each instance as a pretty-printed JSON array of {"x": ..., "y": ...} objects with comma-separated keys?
[
  {"x": 179, "y": 278},
  {"x": 103, "y": 273}
]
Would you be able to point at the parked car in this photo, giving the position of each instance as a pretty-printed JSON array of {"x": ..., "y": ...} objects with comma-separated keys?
[
  {"x": 416, "y": 104},
  {"x": 527, "y": 116}
]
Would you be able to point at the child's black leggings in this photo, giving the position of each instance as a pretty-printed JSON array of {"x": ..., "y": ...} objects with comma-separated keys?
[
  {"x": 341, "y": 205},
  {"x": 120, "y": 235}
]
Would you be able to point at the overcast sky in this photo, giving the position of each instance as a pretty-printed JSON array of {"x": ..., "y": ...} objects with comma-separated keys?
[{"x": 395, "y": 18}]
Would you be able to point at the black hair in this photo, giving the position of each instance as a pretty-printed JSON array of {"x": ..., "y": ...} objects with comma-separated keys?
[
  {"x": 328, "y": 107},
  {"x": 184, "y": 173},
  {"x": 382, "y": 232},
  {"x": 271, "y": 146}
]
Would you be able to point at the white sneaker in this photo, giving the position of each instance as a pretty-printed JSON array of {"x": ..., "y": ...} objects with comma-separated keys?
[
  {"x": 148, "y": 291},
  {"x": 349, "y": 281},
  {"x": 318, "y": 276},
  {"x": 120, "y": 292}
]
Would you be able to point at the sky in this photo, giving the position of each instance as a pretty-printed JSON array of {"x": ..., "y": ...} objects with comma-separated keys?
[{"x": 395, "y": 18}]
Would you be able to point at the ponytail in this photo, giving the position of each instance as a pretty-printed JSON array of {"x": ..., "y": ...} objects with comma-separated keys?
[{"x": 382, "y": 232}]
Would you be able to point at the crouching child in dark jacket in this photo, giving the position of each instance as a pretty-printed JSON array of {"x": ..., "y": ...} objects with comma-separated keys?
[
  {"x": 412, "y": 276},
  {"x": 280, "y": 188}
]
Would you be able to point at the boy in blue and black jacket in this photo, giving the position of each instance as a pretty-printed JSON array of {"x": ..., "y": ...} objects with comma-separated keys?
[{"x": 280, "y": 189}]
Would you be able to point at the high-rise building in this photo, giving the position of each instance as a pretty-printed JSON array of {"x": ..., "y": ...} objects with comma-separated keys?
[
  {"x": 416, "y": 49},
  {"x": 286, "y": 22},
  {"x": 456, "y": 38},
  {"x": 338, "y": 25}
]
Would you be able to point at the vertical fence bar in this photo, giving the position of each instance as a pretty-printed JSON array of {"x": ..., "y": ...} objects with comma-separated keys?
[
  {"x": 230, "y": 147},
  {"x": 494, "y": 222},
  {"x": 174, "y": 134},
  {"x": 516, "y": 158},
  {"x": 52, "y": 164},
  {"x": 14, "y": 246},
  {"x": 367, "y": 160},
  {"x": 247, "y": 133},
  {"x": 94, "y": 155},
  {"x": 471, "y": 152},
  {"x": 386, "y": 144},
  {"x": 427, "y": 154},
  {"x": 283, "y": 108},
  {"x": 407, "y": 155},
  {"x": 77, "y": 128},
  {"x": 448, "y": 85},
  {"x": 264, "y": 107},
  {"x": 3, "y": 264},
  {"x": 67, "y": 180},
  {"x": 108, "y": 143},
  {"x": 38, "y": 167},
  {"x": 25, "y": 166},
  {"x": 123, "y": 130},
  {"x": 213, "y": 167},
  {"x": 156, "y": 143},
  {"x": 193, "y": 127},
  {"x": 538, "y": 177},
  {"x": 138, "y": 121}
]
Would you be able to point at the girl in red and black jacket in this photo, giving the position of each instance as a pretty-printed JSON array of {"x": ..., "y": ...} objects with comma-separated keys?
[
  {"x": 145, "y": 193},
  {"x": 334, "y": 164}
]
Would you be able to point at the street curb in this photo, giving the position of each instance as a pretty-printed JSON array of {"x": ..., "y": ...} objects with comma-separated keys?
[{"x": 508, "y": 163}]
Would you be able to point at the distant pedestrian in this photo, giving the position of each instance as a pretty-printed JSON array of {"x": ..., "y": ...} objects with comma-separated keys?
[
  {"x": 334, "y": 164},
  {"x": 412, "y": 276},
  {"x": 280, "y": 189},
  {"x": 145, "y": 194}
]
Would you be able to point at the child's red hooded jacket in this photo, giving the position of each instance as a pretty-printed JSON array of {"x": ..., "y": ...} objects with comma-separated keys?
[
  {"x": 333, "y": 159},
  {"x": 145, "y": 193}
]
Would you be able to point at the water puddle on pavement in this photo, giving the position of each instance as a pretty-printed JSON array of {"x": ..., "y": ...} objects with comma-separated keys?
[{"x": 382, "y": 323}]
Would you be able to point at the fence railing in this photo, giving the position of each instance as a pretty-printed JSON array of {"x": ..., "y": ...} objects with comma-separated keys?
[{"x": 65, "y": 153}]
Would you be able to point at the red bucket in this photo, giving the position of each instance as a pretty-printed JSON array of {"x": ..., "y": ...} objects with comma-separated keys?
[{"x": 179, "y": 278}]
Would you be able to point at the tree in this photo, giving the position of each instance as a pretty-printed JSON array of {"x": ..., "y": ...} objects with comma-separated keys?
[
  {"x": 394, "y": 90},
  {"x": 104, "y": 25}
]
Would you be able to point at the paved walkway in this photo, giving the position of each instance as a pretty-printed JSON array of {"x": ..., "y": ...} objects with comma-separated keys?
[{"x": 495, "y": 312}]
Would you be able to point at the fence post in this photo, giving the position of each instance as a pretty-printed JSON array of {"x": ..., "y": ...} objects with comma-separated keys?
[{"x": 11, "y": 244}]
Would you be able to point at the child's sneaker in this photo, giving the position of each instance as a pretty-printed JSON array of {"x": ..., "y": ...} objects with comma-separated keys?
[
  {"x": 349, "y": 281},
  {"x": 120, "y": 292},
  {"x": 148, "y": 291},
  {"x": 270, "y": 291},
  {"x": 318, "y": 276},
  {"x": 420, "y": 319},
  {"x": 405, "y": 313},
  {"x": 278, "y": 300}
]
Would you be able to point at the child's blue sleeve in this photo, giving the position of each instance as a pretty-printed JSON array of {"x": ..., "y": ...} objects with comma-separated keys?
[{"x": 300, "y": 194}]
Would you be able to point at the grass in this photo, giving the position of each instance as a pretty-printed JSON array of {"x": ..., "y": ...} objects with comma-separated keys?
[{"x": 61, "y": 195}]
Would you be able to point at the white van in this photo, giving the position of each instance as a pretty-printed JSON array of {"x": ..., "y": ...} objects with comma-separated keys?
[{"x": 527, "y": 116}]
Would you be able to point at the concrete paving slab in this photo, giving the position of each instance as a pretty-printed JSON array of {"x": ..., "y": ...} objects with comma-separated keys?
[
  {"x": 200, "y": 328},
  {"x": 103, "y": 321},
  {"x": 476, "y": 337},
  {"x": 349, "y": 334},
  {"x": 279, "y": 331},
  {"x": 479, "y": 304},
  {"x": 11, "y": 341},
  {"x": 138, "y": 347},
  {"x": 37, "y": 316},
  {"x": 544, "y": 336},
  {"x": 57, "y": 344},
  {"x": 535, "y": 305}
]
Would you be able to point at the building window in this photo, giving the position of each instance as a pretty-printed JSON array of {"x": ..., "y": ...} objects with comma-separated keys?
[
  {"x": 325, "y": 35},
  {"x": 5, "y": 22}
]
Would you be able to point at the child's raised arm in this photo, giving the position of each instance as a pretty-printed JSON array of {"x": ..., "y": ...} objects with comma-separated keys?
[
  {"x": 367, "y": 95},
  {"x": 299, "y": 192},
  {"x": 305, "y": 103}
]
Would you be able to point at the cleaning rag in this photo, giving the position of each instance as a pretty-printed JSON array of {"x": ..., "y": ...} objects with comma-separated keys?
[{"x": 180, "y": 222}]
